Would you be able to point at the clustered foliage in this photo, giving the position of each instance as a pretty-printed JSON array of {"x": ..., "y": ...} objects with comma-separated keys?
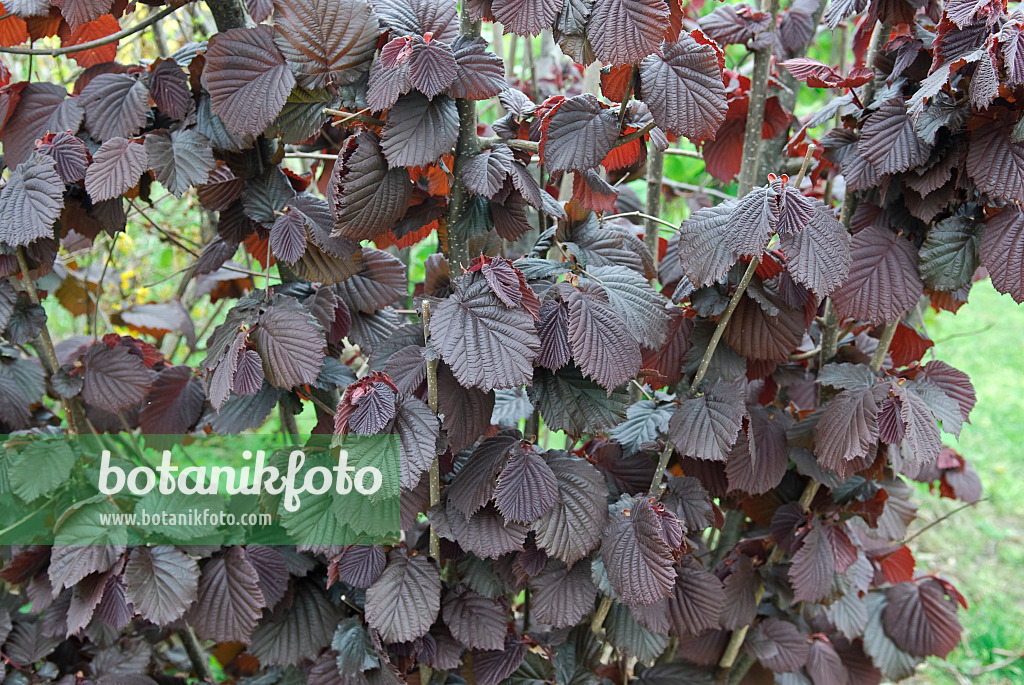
[{"x": 769, "y": 353}]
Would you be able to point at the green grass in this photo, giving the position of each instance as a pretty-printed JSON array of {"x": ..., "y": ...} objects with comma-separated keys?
[{"x": 982, "y": 549}]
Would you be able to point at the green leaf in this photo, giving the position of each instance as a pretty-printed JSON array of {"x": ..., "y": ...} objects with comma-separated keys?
[{"x": 39, "y": 468}]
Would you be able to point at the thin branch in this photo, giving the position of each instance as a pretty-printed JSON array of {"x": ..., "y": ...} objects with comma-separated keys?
[
  {"x": 642, "y": 389},
  {"x": 679, "y": 186},
  {"x": 723, "y": 321},
  {"x": 659, "y": 472},
  {"x": 99, "y": 42},
  {"x": 533, "y": 147},
  {"x": 641, "y": 215},
  {"x": 803, "y": 356},
  {"x": 939, "y": 520},
  {"x": 624, "y": 107},
  {"x": 655, "y": 174},
  {"x": 678, "y": 152},
  {"x": 755, "y": 110},
  {"x": 311, "y": 155},
  {"x": 352, "y": 116}
]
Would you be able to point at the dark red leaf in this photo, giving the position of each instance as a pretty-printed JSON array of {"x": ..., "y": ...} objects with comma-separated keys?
[
  {"x": 1002, "y": 251},
  {"x": 639, "y": 563},
  {"x": 479, "y": 74},
  {"x": 115, "y": 105},
  {"x": 706, "y": 427},
  {"x": 813, "y": 567}
]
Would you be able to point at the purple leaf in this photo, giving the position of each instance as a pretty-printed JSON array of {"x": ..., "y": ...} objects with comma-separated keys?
[
  {"x": 813, "y": 567},
  {"x": 884, "y": 281},
  {"x": 639, "y": 563},
  {"x": 571, "y": 529},
  {"x": 432, "y": 66},
  {"x": 578, "y": 134},
  {"x": 115, "y": 106},
  {"x": 116, "y": 167},
  {"x": 706, "y": 427},
  {"x": 160, "y": 582},
  {"x": 419, "y": 130},
  {"x": 404, "y": 601},
  {"x": 921, "y": 620},
  {"x": 486, "y": 344},
  {"x": 248, "y": 78},
  {"x": 683, "y": 88},
  {"x": 562, "y": 596},
  {"x": 626, "y": 31},
  {"x": 326, "y": 42},
  {"x": 526, "y": 487},
  {"x": 476, "y": 621},
  {"x": 229, "y": 599},
  {"x": 31, "y": 201}
]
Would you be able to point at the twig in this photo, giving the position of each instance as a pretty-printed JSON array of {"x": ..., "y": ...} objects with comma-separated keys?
[
  {"x": 642, "y": 215},
  {"x": 597, "y": 623},
  {"x": 659, "y": 472},
  {"x": 624, "y": 107},
  {"x": 678, "y": 152},
  {"x": 641, "y": 389},
  {"x": 755, "y": 109},
  {"x": 808, "y": 156},
  {"x": 802, "y": 356},
  {"x": 311, "y": 155},
  {"x": 435, "y": 467},
  {"x": 939, "y": 520},
  {"x": 732, "y": 649},
  {"x": 679, "y": 186},
  {"x": 99, "y": 42},
  {"x": 352, "y": 116},
  {"x": 346, "y": 116}
]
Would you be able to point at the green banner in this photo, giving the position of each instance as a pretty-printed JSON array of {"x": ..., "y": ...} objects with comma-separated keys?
[{"x": 199, "y": 490}]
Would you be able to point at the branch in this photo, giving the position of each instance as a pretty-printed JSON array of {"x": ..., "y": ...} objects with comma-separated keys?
[
  {"x": 311, "y": 155},
  {"x": 659, "y": 472},
  {"x": 888, "y": 333},
  {"x": 99, "y": 42},
  {"x": 755, "y": 110},
  {"x": 533, "y": 147},
  {"x": 196, "y": 654},
  {"x": 655, "y": 173},
  {"x": 435, "y": 468},
  {"x": 723, "y": 321},
  {"x": 72, "y": 409}
]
